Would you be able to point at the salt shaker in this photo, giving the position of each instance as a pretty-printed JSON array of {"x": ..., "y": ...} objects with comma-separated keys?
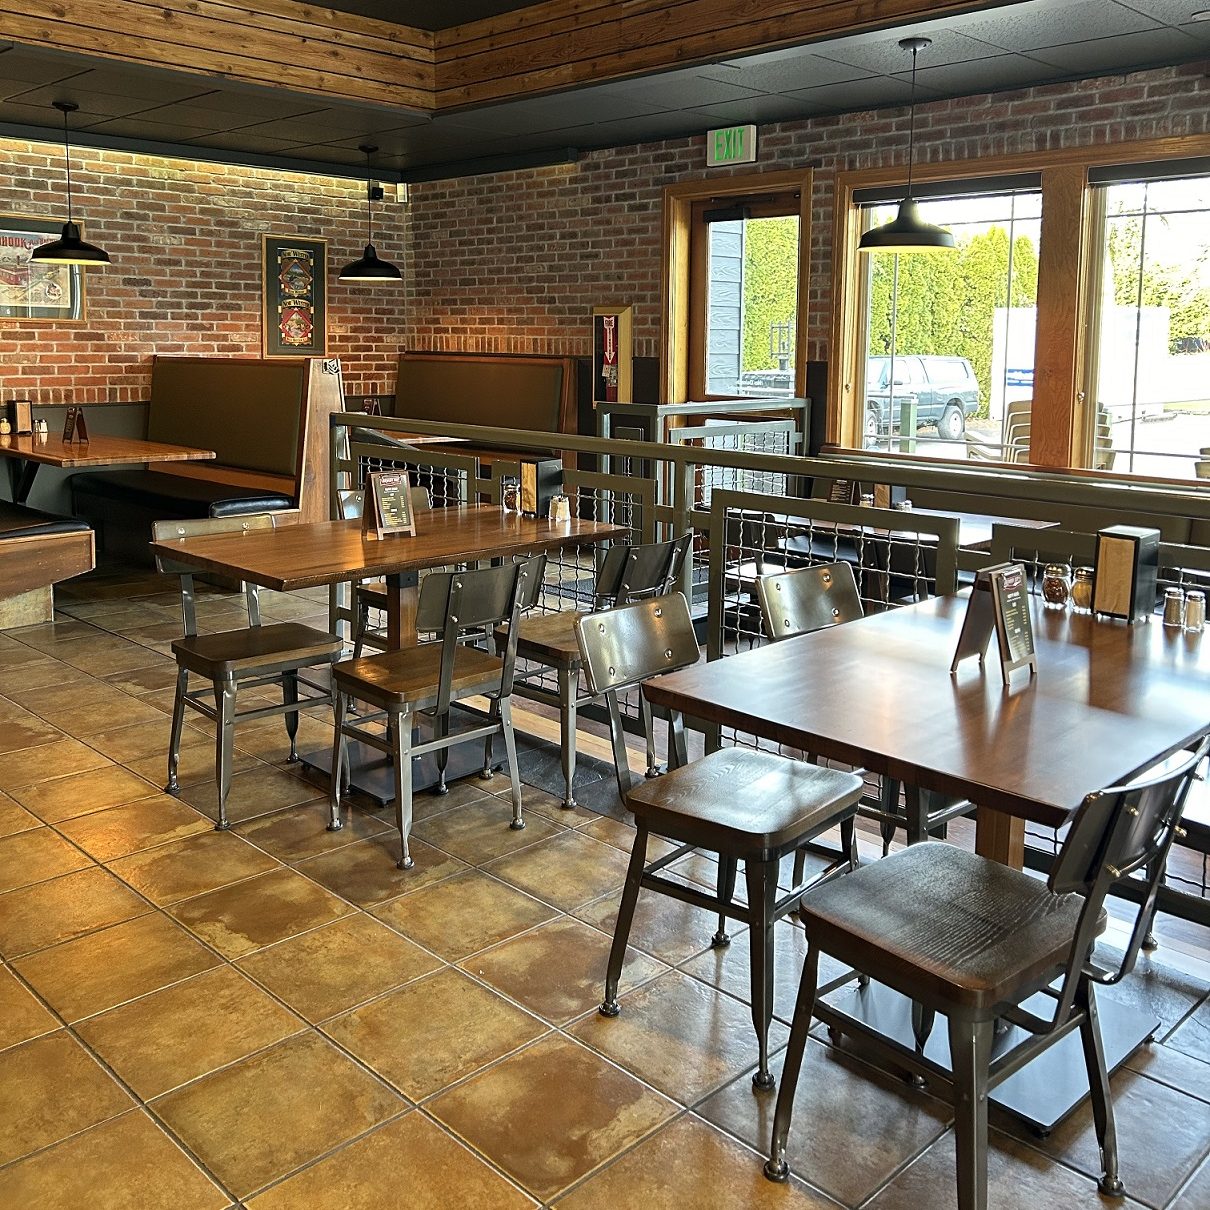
[
  {"x": 1195, "y": 610},
  {"x": 1174, "y": 607}
]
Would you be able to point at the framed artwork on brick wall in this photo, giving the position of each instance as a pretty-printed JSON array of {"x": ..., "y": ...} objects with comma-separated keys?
[
  {"x": 294, "y": 296},
  {"x": 41, "y": 293}
]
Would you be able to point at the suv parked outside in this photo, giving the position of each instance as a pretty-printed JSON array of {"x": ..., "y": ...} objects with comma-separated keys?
[{"x": 946, "y": 391}]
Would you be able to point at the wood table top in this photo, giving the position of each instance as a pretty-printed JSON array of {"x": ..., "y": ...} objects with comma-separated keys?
[
  {"x": 331, "y": 552},
  {"x": 1108, "y": 699},
  {"x": 97, "y": 451}
]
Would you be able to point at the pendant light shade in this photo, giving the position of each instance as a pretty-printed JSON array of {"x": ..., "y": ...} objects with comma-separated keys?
[
  {"x": 69, "y": 248},
  {"x": 369, "y": 266},
  {"x": 908, "y": 231}
]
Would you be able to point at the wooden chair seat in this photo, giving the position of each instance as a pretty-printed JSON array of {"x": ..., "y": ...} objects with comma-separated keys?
[
  {"x": 373, "y": 593},
  {"x": 549, "y": 638},
  {"x": 411, "y": 676},
  {"x": 944, "y": 926},
  {"x": 746, "y": 804},
  {"x": 263, "y": 649}
]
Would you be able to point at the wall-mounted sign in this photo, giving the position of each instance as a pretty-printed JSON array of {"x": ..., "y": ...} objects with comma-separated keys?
[{"x": 730, "y": 145}]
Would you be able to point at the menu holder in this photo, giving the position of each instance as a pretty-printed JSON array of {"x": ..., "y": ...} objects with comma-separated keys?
[
  {"x": 999, "y": 602},
  {"x": 388, "y": 505},
  {"x": 69, "y": 424},
  {"x": 842, "y": 491},
  {"x": 21, "y": 416}
]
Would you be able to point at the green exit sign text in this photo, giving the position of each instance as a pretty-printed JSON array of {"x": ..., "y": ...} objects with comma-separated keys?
[{"x": 731, "y": 145}]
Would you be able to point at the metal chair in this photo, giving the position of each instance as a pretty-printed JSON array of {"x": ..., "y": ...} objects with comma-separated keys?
[
  {"x": 548, "y": 641},
  {"x": 973, "y": 940},
  {"x": 251, "y": 657},
  {"x": 431, "y": 678},
  {"x": 742, "y": 804},
  {"x": 814, "y": 598}
]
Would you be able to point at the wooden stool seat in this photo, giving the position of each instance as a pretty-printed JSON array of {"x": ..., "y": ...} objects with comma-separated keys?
[
  {"x": 549, "y": 638},
  {"x": 946, "y": 927},
  {"x": 412, "y": 676},
  {"x": 263, "y": 649},
  {"x": 746, "y": 804}
]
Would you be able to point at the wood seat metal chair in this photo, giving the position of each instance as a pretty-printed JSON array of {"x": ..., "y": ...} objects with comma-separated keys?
[
  {"x": 973, "y": 940},
  {"x": 254, "y": 656},
  {"x": 813, "y": 598},
  {"x": 744, "y": 805},
  {"x": 548, "y": 641},
  {"x": 429, "y": 679}
]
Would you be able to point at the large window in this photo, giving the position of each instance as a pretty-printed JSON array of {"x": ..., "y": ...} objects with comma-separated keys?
[{"x": 1149, "y": 356}]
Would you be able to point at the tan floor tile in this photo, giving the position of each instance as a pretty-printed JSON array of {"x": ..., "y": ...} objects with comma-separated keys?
[
  {"x": 15, "y": 818},
  {"x": 192, "y": 866},
  {"x": 52, "y": 1088},
  {"x": 249, "y": 915},
  {"x": 671, "y": 930},
  {"x": 268, "y": 1115},
  {"x": 267, "y": 738},
  {"x": 106, "y": 656},
  {"x": 558, "y": 970},
  {"x": 255, "y": 792},
  {"x": 129, "y": 743},
  {"x": 333, "y": 968},
  {"x": 464, "y": 914},
  {"x": 689, "y": 1163},
  {"x": 506, "y": 1113},
  {"x": 183, "y": 1031},
  {"x": 469, "y": 789},
  {"x": 1196, "y": 1194},
  {"x": 49, "y": 912},
  {"x": 87, "y": 721},
  {"x": 27, "y": 732},
  {"x": 150, "y": 675},
  {"x": 679, "y": 1035},
  {"x": 57, "y": 759},
  {"x": 434, "y": 1031},
  {"x": 37, "y": 673},
  {"x": 35, "y": 856},
  {"x": 566, "y": 871},
  {"x": 479, "y": 831},
  {"x": 95, "y": 972},
  {"x": 549, "y": 806},
  {"x": 65, "y": 797},
  {"x": 21, "y": 1015},
  {"x": 196, "y": 763},
  {"x": 119, "y": 831},
  {"x": 61, "y": 695},
  {"x": 300, "y": 832},
  {"x": 441, "y": 1174},
  {"x": 365, "y": 873},
  {"x": 124, "y": 1163}
]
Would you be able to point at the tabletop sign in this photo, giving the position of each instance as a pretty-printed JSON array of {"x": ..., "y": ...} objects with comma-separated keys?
[
  {"x": 999, "y": 602},
  {"x": 74, "y": 427},
  {"x": 388, "y": 505},
  {"x": 842, "y": 491}
]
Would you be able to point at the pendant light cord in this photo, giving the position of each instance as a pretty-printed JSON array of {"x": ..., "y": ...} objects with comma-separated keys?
[
  {"x": 912, "y": 125},
  {"x": 67, "y": 160}
]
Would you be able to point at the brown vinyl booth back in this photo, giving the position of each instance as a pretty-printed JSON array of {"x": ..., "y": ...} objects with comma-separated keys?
[
  {"x": 247, "y": 410},
  {"x": 510, "y": 392}
]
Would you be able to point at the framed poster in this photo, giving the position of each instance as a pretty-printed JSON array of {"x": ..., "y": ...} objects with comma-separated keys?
[
  {"x": 46, "y": 293},
  {"x": 294, "y": 296}
]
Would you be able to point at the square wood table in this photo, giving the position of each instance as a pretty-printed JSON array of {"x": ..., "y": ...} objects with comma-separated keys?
[{"x": 29, "y": 452}]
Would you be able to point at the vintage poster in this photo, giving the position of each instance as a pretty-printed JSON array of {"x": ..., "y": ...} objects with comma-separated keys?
[
  {"x": 294, "y": 296},
  {"x": 29, "y": 290}
]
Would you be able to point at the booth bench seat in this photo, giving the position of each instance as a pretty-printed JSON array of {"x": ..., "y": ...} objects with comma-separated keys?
[
  {"x": 172, "y": 497},
  {"x": 37, "y": 550}
]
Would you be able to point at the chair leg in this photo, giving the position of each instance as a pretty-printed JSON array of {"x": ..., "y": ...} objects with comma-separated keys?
[
  {"x": 493, "y": 716},
  {"x": 441, "y": 724},
  {"x": 403, "y": 785},
  {"x": 726, "y": 893},
  {"x": 617, "y": 739},
  {"x": 363, "y": 624},
  {"x": 761, "y": 877},
  {"x": 1098, "y": 1084},
  {"x": 621, "y": 930},
  {"x": 224, "y": 742},
  {"x": 890, "y": 808},
  {"x": 569, "y": 685},
  {"x": 653, "y": 765},
  {"x": 339, "y": 760},
  {"x": 174, "y": 737},
  {"x": 776, "y": 1168},
  {"x": 848, "y": 841},
  {"x": 289, "y": 693},
  {"x": 970, "y": 1055},
  {"x": 510, "y": 750}
]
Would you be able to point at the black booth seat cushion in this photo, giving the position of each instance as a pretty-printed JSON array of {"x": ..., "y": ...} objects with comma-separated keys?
[
  {"x": 170, "y": 496},
  {"x": 19, "y": 521}
]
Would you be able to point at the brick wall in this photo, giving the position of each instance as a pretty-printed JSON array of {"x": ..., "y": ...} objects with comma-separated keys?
[
  {"x": 516, "y": 262},
  {"x": 185, "y": 244}
]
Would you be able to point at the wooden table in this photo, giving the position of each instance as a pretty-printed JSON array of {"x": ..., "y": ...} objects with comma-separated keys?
[
  {"x": 29, "y": 452},
  {"x": 1108, "y": 700}
]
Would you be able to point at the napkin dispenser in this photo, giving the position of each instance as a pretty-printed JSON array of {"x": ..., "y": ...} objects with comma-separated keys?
[{"x": 1126, "y": 569}]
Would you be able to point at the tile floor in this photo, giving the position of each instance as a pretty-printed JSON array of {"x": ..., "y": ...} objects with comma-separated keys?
[{"x": 277, "y": 1017}]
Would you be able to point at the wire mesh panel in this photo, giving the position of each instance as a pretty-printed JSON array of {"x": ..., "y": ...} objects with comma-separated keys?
[{"x": 770, "y": 437}]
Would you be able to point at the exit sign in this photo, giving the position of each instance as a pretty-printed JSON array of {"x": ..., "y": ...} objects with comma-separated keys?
[{"x": 731, "y": 145}]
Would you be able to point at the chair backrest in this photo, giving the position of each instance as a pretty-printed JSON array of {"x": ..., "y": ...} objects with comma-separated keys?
[
  {"x": 170, "y": 531},
  {"x": 629, "y": 573},
  {"x": 623, "y": 646},
  {"x": 808, "y": 598},
  {"x": 352, "y": 503}
]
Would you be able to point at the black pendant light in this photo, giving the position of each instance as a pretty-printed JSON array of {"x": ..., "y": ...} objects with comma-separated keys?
[
  {"x": 69, "y": 248},
  {"x": 907, "y": 231},
  {"x": 368, "y": 267}
]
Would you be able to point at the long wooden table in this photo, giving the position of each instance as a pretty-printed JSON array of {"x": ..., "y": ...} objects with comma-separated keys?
[{"x": 29, "y": 452}]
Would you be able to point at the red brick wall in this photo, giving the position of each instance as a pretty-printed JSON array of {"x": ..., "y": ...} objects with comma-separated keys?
[
  {"x": 515, "y": 263},
  {"x": 185, "y": 243}
]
